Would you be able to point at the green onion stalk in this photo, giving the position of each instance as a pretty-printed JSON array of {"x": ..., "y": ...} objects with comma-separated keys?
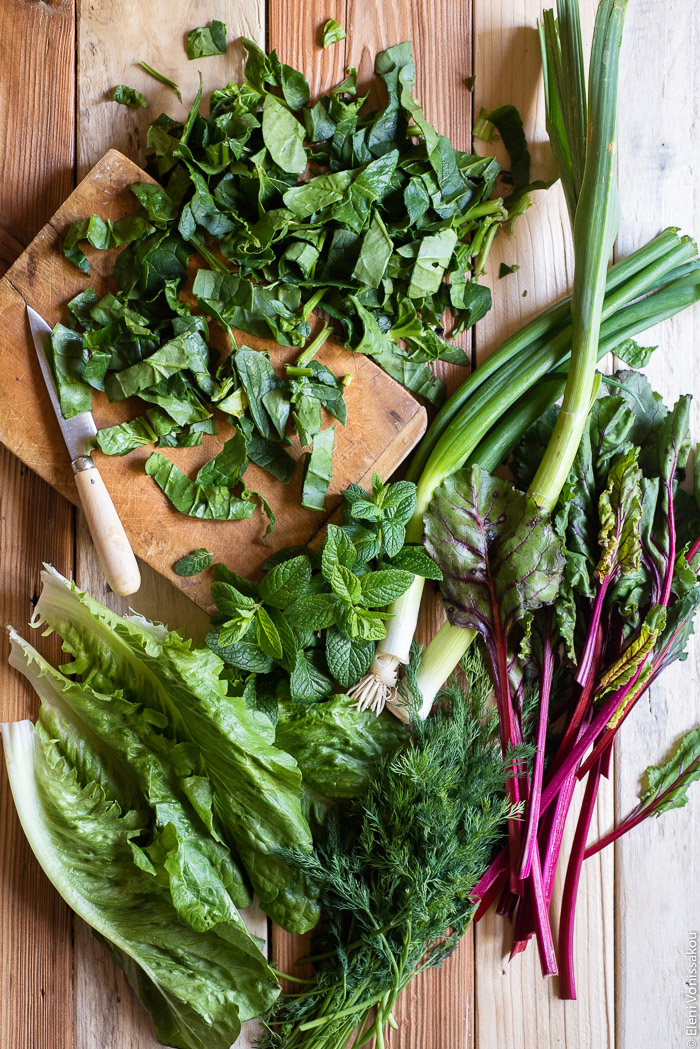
[
  {"x": 483, "y": 421},
  {"x": 557, "y": 352}
]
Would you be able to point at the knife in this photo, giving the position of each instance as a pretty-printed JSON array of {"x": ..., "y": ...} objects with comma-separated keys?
[{"x": 113, "y": 548}]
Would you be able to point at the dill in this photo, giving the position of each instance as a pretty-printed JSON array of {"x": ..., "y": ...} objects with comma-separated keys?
[{"x": 395, "y": 870}]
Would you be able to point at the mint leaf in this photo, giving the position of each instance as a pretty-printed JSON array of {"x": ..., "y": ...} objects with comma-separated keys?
[
  {"x": 415, "y": 559},
  {"x": 338, "y": 549},
  {"x": 307, "y": 684},
  {"x": 315, "y": 612},
  {"x": 346, "y": 585},
  {"x": 194, "y": 563},
  {"x": 222, "y": 574},
  {"x": 267, "y": 636},
  {"x": 229, "y": 600},
  {"x": 284, "y": 583},
  {"x": 382, "y": 587},
  {"x": 348, "y": 659}
]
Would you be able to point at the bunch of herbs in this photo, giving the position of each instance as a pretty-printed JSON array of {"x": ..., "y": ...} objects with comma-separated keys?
[{"x": 313, "y": 619}]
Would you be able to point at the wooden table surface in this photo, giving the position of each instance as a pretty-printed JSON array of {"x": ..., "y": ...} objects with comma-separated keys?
[{"x": 638, "y": 906}]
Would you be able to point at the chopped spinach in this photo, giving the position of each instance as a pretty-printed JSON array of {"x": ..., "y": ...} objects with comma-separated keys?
[
  {"x": 207, "y": 40},
  {"x": 129, "y": 96},
  {"x": 332, "y": 33},
  {"x": 162, "y": 78},
  {"x": 280, "y": 208}
]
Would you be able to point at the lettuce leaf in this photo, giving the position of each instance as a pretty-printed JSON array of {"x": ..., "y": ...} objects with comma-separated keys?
[
  {"x": 248, "y": 788},
  {"x": 138, "y": 877},
  {"x": 336, "y": 745}
]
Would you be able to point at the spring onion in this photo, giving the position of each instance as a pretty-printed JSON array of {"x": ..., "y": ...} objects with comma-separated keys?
[{"x": 491, "y": 410}]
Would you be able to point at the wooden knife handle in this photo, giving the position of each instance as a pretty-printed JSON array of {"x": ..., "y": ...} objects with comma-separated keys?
[{"x": 113, "y": 548}]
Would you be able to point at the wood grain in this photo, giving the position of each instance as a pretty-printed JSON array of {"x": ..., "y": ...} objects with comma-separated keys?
[
  {"x": 37, "y": 116},
  {"x": 36, "y": 49},
  {"x": 384, "y": 420},
  {"x": 441, "y": 35},
  {"x": 35, "y": 925},
  {"x": 657, "y": 863},
  {"x": 115, "y": 35},
  {"x": 515, "y": 1007}
]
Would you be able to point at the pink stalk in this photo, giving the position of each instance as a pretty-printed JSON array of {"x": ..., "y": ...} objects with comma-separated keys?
[
  {"x": 543, "y": 932},
  {"x": 587, "y": 658},
  {"x": 567, "y": 982},
  {"x": 529, "y": 845},
  {"x": 551, "y": 855},
  {"x": 571, "y": 762},
  {"x": 693, "y": 550},
  {"x": 486, "y": 893},
  {"x": 633, "y": 820}
]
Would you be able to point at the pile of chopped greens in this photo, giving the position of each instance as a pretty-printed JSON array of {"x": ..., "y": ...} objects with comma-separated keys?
[{"x": 267, "y": 210}]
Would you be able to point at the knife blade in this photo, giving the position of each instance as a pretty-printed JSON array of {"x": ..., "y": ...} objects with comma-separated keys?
[{"x": 113, "y": 548}]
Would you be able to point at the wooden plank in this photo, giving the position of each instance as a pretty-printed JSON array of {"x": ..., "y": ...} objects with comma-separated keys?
[
  {"x": 37, "y": 129},
  {"x": 514, "y": 1006},
  {"x": 384, "y": 420},
  {"x": 35, "y": 924},
  {"x": 115, "y": 35},
  {"x": 121, "y": 1020},
  {"x": 657, "y": 863},
  {"x": 36, "y": 117},
  {"x": 434, "y": 1012}
]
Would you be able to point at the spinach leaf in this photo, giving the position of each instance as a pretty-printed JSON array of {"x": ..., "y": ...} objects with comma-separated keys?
[
  {"x": 318, "y": 470},
  {"x": 208, "y": 502},
  {"x": 226, "y": 468},
  {"x": 265, "y": 208},
  {"x": 284, "y": 136},
  {"x": 129, "y": 96},
  {"x": 67, "y": 359},
  {"x": 207, "y": 40},
  {"x": 332, "y": 33}
]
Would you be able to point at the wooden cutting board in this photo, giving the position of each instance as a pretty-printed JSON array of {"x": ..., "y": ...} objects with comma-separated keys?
[{"x": 384, "y": 420}]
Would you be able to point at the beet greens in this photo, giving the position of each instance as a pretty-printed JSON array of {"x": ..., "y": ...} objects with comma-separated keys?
[{"x": 586, "y": 606}]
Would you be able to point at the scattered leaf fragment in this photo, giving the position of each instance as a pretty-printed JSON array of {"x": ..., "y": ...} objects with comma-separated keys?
[{"x": 194, "y": 563}]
